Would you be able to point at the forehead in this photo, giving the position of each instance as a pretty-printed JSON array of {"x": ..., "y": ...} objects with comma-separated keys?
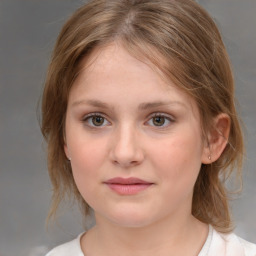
[
  {"x": 110, "y": 70},
  {"x": 104, "y": 60}
]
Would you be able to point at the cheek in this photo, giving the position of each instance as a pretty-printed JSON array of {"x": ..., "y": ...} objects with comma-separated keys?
[
  {"x": 179, "y": 157},
  {"x": 87, "y": 158}
]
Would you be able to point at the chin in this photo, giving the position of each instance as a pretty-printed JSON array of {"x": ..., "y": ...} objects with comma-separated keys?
[
  {"x": 131, "y": 219},
  {"x": 131, "y": 223}
]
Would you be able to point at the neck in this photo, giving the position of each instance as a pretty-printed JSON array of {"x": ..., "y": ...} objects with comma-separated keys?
[{"x": 165, "y": 238}]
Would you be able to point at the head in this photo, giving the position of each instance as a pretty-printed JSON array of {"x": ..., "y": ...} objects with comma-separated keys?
[{"x": 180, "y": 41}]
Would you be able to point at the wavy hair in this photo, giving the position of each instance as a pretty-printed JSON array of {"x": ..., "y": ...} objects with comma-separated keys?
[{"x": 179, "y": 39}]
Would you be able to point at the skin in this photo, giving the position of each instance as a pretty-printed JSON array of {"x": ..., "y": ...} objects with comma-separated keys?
[{"x": 159, "y": 143}]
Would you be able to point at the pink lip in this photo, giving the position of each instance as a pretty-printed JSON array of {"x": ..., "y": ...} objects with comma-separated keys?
[{"x": 127, "y": 186}]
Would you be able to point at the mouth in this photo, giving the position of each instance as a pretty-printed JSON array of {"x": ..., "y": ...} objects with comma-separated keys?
[{"x": 128, "y": 186}]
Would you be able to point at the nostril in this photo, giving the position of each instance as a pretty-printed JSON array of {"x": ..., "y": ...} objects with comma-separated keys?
[
  {"x": 127, "y": 158},
  {"x": 126, "y": 150}
]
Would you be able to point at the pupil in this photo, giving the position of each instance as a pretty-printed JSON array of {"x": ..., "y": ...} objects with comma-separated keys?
[
  {"x": 97, "y": 120},
  {"x": 158, "y": 121}
]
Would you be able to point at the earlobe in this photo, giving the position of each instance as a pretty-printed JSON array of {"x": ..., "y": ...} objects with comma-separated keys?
[
  {"x": 217, "y": 139},
  {"x": 67, "y": 152}
]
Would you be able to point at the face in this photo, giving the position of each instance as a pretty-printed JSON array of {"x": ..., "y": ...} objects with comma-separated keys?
[{"x": 134, "y": 140}]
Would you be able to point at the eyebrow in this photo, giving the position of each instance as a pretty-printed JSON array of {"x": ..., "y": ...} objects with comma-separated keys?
[
  {"x": 142, "y": 106},
  {"x": 155, "y": 104}
]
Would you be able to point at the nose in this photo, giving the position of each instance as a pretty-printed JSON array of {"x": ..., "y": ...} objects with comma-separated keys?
[{"x": 126, "y": 148}]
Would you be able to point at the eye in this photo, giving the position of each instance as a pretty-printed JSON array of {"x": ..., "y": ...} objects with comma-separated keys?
[
  {"x": 95, "y": 120},
  {"x": 160, "y": 120}
]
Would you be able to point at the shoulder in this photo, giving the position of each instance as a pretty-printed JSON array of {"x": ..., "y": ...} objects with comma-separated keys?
[
  {"x": 70, "y": 248},
  {"x": 232, "y": 245},
  {"x": 249, "y": 248}
]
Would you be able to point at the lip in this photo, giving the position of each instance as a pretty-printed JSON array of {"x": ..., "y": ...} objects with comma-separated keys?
[{"x": 127, "y": 186}]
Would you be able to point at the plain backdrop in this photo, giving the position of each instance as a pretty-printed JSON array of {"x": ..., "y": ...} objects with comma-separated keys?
[{"x": 28, "y": 29}]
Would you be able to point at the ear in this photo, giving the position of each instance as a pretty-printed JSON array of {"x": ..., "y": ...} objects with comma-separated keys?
[
  {"x": 217, "y": 139},
  {"x": 66, "y": 150}
]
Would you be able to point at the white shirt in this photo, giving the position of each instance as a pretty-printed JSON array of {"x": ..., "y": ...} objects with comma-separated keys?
[{"x": 216, "y": 244}]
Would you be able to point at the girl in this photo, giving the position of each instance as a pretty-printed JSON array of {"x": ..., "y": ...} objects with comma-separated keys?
[{"x": 139, "y": 116}]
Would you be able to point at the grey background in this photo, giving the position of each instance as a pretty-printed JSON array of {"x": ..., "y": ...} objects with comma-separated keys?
[{"x": 28, "y": 29}]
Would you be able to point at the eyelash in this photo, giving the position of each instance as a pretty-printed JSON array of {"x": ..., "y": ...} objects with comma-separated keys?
[
  {"x": 88, "y": 117},
  {"x": 166, "y": 117}
]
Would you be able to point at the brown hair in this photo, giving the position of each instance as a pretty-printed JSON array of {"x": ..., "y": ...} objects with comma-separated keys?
[{"x": 187, "y": 39}]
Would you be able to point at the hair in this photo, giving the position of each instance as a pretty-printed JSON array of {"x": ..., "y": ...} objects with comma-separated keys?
[{"x": 179, "y": 39}]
